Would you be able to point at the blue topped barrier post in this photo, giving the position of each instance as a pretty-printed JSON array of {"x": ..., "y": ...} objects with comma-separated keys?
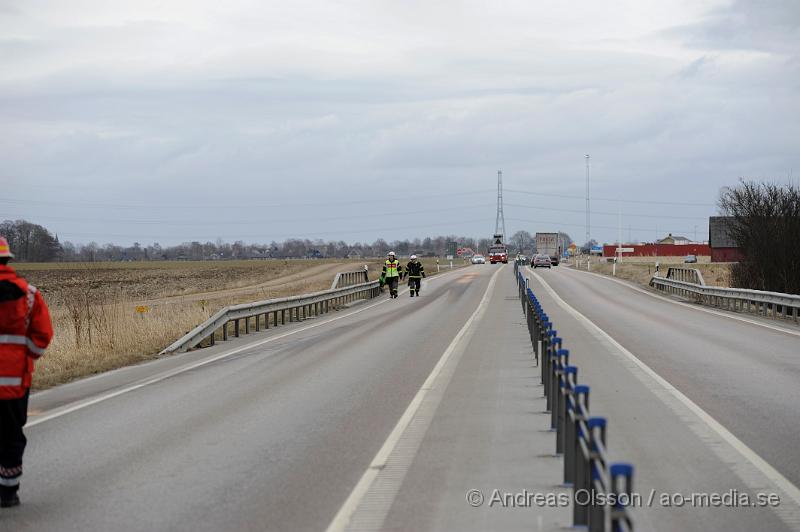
[
  {"x": 560, "y": 360},
  {"x": 622, "y": 487},
  {"x": 569, "y": 376},
  {"x": 579, "y": 402}
]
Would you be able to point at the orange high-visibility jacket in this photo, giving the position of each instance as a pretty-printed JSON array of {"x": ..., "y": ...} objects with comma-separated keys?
[{"x": 25, "y": 332}]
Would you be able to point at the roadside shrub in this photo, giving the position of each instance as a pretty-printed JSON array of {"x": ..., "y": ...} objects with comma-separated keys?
[{"x": 766, "y": 226}]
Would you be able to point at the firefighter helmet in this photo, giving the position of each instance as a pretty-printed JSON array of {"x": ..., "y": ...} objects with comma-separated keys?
[
  {"x": 5, "y": 250},
  {"x": 413, "y": 257}
]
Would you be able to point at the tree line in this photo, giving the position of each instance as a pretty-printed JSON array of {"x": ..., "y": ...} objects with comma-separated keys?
[{"x": 34, "y": 243}]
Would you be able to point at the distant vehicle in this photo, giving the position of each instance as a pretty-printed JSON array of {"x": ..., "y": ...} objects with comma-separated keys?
[
  {"x": 690, "y": 259},
  {"x": 542, "y": 261},
  {"x": 478, "y": 259},
  {"x": 498, "y": 252},
  {"x": 549, "y": 244},
  {"x": 522, "y": 259}
]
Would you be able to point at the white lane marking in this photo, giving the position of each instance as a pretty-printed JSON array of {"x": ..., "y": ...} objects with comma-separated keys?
[
  {"x": 61, "y": 411},
  {"x": 378, "y": 510},
  {"x": 693, "y": 307},
  {"x": 772, "y": 474}
]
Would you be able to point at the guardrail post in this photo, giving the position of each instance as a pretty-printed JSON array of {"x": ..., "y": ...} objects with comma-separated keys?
[
  {"x": 547, "y": 367},
  {"x": 560, "y": 361},
  {"x": 597, "y": 431},
  {"x": 544, "y": 350},
  {"x": 580, "y": 403},
  {"x": 565, "y": 400},
  {"x": 247, "y": 325},
  {"x": 236, "y": 328},
  {"x": 225, "y": 331},
  {"x": 621, "y": 473}
]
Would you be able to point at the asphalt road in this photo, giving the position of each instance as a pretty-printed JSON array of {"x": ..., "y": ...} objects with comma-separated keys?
[
  {"x": 386, "y": 415},
  {"x": 744, "y": 376},
  {"x": 271, "y": 438}
]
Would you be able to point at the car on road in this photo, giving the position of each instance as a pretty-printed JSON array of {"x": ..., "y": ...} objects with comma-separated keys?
[
  {"x": 690, "y": 259},
  {"x": 478, "y": 259},
  {"x": 542, "y": 261},
  {"x": 522, "y": 259}
]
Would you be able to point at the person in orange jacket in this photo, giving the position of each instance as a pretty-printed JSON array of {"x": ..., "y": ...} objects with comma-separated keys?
[{"x": 25, "y": 332}]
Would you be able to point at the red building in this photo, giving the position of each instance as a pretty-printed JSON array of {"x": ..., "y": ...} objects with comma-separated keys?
[
  {"x": 660, "y": 250},
  {"x": 723, "y": 246}
]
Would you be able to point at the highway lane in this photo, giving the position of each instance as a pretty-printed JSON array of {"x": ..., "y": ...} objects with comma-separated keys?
[
  {"x": 271, "y": 438},
  {"x": 744, "y": 375}
]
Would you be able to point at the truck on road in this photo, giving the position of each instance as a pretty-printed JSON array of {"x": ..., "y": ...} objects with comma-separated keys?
[
  {"x": 549, "y": 244},
  {"x": 498, "y": 252}
]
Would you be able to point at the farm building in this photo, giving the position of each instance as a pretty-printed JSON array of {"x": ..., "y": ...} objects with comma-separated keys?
[
  {"x": 674, "y": 240},
  {"x": 659, "y": 250},
  {"x": 723, "y": 247}
]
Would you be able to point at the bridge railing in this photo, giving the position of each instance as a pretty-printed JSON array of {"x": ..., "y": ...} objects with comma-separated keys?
[
  {"x": 580, "y": 438},
  {"x": 689, "y": 275},
  {"x": 273, "y": 312},
  {"x": 343, "y": 279},
  {"x": 770, "y": 304}
]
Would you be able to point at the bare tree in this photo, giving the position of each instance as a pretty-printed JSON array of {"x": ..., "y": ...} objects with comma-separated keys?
[{"x": 766, "y": 226}]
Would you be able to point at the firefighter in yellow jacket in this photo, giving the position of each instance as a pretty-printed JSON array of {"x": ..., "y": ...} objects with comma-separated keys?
[{"x": 392, "y": 271}]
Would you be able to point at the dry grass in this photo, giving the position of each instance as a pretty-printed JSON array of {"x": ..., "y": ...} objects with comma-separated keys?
[
  {"x": 93, "y": 306},
  {"x": 640, "y": 271}
]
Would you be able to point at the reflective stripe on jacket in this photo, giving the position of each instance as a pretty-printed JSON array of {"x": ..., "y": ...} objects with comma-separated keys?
[
  {"x": 415, "y": 270},
  {"x": 25, "y": 332},
  {"x": 392, "y": 268}
]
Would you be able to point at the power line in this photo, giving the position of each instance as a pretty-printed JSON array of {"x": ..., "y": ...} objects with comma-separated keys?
[
  {"x": 651, "y": 230},
  {"x": 608, "y": 213},
  {"x": 254, "y": 221},
  {"x": 616, "y": 200},
  {"x": 239, "y": 205},
  {"x": 264, "y": 237}
]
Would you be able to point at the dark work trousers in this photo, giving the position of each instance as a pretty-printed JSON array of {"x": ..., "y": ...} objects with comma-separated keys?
[
  {"x": 414, "y": 284},
  {"x": 392, "y": 282},
  {"x": 13, "y": 416}
]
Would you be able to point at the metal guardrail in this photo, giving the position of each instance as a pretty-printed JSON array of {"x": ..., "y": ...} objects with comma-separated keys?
[
  {"x": 297, "y": 308},
  {"x": 601, "y": 491},
  {"x": 343, "y": 279},
  {"x": 689, "y": 275},
  {"x": 770, "y": 304}
]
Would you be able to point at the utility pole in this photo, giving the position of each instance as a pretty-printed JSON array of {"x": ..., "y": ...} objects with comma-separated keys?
[
  {"x": 587, "y": 198},
  {"x": 500, "y": 223}
]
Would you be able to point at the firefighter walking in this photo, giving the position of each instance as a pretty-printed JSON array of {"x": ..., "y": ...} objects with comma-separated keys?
[
  {"x": 25, "y": 332},
  {"x": 391, "y": 274},
  {"x": 415, "y": 272}
]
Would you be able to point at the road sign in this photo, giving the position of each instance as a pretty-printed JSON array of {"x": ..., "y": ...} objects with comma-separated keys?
[
  {"x": 452, "y": 246},
  {"x": 141, "y": 309},
  {"x": 449, "y": 257},
  {"x": 625, "y": 250},
  {"x": 459, "y": 251}
]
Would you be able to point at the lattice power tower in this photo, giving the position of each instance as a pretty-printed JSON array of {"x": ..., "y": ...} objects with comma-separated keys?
[{"x": 500, "y": 224}]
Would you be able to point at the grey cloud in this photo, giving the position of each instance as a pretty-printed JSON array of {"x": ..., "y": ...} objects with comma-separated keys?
[
  {"x": 664, "y": 126},
  {"x": 771, "y": 26}
]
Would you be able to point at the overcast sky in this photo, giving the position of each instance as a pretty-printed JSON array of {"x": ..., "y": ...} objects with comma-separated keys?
[{"x": 172, "y": 121}]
